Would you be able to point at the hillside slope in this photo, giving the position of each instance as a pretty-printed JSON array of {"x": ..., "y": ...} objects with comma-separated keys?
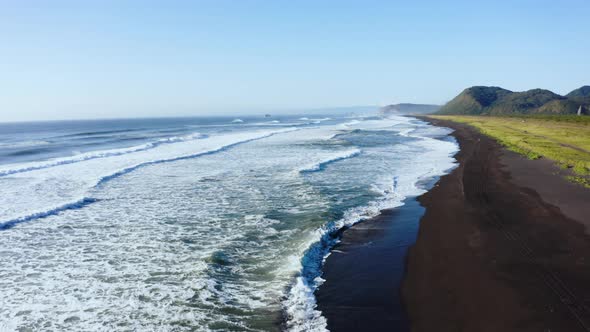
[
  {"x": 583, "y": 92},
  {"x": 485, "y": 100}
]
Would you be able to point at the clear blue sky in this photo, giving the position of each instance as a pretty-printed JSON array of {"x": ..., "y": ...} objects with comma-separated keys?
[{"x": 81, "y": 59}]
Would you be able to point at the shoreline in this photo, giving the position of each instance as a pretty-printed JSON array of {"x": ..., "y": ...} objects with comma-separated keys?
[
  {"x": 363, "y": 272},
  {"x": 502, "y": 246},
  {"x": 360, "y": 292}
]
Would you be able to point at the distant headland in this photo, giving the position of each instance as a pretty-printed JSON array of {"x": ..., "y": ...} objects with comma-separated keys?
[{"x": 490, "y": 100}]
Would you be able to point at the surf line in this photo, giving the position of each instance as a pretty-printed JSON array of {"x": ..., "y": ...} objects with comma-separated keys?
[{"x": 85, "y": 201}]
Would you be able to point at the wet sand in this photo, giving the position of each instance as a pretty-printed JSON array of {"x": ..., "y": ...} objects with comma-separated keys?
[{"x": 364, "y": 272}]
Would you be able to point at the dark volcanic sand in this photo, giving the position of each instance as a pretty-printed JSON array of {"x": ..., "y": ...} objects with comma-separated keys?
[
  {"x": 494, "y": 251},
  {"x": 502, "y": 247},
  {"x": 364, "y": 272}
]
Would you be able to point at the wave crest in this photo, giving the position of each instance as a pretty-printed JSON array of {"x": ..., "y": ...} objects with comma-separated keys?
[
  {"x": 98, "y": 154},
  {"x": 318, "y": 166}
]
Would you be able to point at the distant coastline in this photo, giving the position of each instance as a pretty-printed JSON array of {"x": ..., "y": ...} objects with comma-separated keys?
[{"x": 409, "y": 109}]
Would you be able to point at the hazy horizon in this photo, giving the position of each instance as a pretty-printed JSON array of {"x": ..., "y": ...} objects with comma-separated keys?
[
  {"x": 344, "y": 110},
  {"x": 82, "y": 60}
]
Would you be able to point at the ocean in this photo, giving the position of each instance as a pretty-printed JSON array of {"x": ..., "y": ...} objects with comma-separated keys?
[{"x": 193, "y": 224}]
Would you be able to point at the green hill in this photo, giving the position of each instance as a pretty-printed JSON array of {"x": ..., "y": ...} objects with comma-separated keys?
[
  {"x": 485, "y": 100},
  {"x": 583, "y": 92}
]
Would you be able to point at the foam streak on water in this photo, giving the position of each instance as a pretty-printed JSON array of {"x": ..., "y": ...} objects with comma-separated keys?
[
  {"x": 42, "y": 193},
  {"x": 94, "y": 155},
  {"x": 216, "y": 232}
]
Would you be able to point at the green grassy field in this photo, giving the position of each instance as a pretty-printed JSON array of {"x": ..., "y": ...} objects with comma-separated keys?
[{"x": 563, "y": 139}]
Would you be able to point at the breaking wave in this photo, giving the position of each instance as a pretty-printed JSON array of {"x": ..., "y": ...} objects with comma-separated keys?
[
  {"x": 98, "y": 154},
  {"x": 50, "y": 212},
  {"x": 80, "y": 203},
  {"x": 336, "y": 157}
]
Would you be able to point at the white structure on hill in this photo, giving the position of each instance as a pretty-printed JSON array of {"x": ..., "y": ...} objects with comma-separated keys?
[{"x": 580, "y": 110}]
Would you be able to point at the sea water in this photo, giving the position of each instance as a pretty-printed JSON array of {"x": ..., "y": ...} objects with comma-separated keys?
[{"x": 196, "y": 224}]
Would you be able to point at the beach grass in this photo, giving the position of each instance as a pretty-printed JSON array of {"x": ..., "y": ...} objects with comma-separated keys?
[{"x": 563, "y": 139}]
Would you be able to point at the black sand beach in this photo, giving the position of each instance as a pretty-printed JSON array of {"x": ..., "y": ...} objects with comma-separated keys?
[{"x": 502, "y": 245}]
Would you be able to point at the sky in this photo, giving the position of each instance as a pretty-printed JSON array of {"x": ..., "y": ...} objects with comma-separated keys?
[{"x": 105, "y": 59}]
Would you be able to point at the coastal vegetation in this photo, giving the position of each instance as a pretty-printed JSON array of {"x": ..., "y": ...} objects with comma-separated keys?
[{"x": 563, "y": 139}]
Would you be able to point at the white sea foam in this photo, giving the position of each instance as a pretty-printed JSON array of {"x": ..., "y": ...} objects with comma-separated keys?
[
  {"x": 44, "y": 191},
  {"x": 319, "y": 120},
  {"x": 24, "y": 144},
  {"x": 4, "y": 225},
  {"x": 27, "y": 167},
  {"x": 351, "y": 123}
]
